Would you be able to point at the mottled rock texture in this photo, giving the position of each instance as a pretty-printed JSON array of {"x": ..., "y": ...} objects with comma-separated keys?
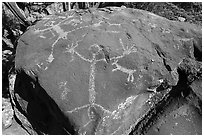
[{"x": 100, "y": 71}]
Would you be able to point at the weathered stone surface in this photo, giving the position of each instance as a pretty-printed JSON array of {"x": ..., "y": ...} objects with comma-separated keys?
[
  {"x": 183, "y": 120},
  {"x": 103, "y": 68}
]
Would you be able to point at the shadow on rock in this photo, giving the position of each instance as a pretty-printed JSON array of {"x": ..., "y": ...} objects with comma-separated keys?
[{"x": 41, "y": 111}]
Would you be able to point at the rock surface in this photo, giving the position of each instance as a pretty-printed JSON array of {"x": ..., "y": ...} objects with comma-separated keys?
[
  {"x": 102, "y": 70},
  {"x": 181, "y": 118}
]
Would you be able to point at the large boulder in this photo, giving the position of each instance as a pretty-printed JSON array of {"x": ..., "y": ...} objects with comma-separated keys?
[{"x": 100, "y": 71}]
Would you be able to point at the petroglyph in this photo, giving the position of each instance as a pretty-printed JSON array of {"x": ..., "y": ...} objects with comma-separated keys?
[
  {"x": 65, "y": 89},
  {"x": 92, "y": 92}
]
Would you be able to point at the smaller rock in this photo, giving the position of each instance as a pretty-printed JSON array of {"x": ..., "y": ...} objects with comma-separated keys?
[
  {"x": 54, "y": 8},
  {"x": 7, "y": 113},
  {"x": 14, "y": 129},
  {"x": 181, "y": 19},
  {"x": 7, "y": 52}
]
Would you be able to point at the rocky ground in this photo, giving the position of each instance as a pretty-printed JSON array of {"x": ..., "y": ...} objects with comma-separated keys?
[{"x": 16, "y": 121}]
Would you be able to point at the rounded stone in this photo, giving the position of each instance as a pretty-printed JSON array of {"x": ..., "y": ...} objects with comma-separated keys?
[{"x": 127, "y": 60}]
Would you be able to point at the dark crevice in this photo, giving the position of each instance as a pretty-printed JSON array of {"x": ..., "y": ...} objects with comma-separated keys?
[
  {"x": 164, "y": 85},
  {"x": 159, "y": 51},
  {"x": 197, "y": 53},
  {"x": 162, "y": 55},
  {"x": 128, "y": 36},
  {"x": 106, "y": 53},
  {"x": 166, "y": 65}
]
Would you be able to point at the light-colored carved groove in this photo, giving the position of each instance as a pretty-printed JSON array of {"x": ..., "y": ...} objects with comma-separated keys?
[
  {"x": 78, "y": 108},
  {"x": 92, "y": 91}
]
